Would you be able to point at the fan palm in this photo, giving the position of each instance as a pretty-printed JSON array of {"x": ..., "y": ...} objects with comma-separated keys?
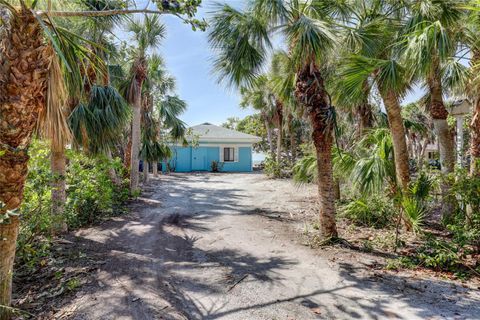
[
  {"x": 94, "y": 32},
  {"x": 473, "y": 42},
  {"x": 160, "y": 115},
  {"x": 242, "y": 39},
  {"x": 431, "y": 41},
  {"x": 374, "y": 60},
  {"x": 147, "y": 34},
  {"x": 260, "y": 97},
  {"x": 432, "y": 35},
  {"x": 33, "y": 95}
]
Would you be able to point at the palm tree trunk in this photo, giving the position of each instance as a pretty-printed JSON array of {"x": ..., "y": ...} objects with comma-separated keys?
[
  {"x": 443, "y": 133},
  {"x": 134, "y": 161},
  {"x": 24, "y": 62},
  {"x": 310, "y": 91},
  {"x": 127, "y": 155},
  {"x": 146, "y": 169},
  {"x": 365, "y": 117},
  {"x": 279, "y": 116},
  {"x": 279, "y": 143},
  {"x": 293, "y": 144},
  {"x": 475, "y": 127},
  {"x": 155, "y": 169},
  {"x": 8, "y": 239},
  {"x": 400, "y": 151},
  {"x": 269, "y": 136},
  {"x": 421, "y": 157},
  {"x": 445, "y": 138},
  {"x": 58, "y": 162}
]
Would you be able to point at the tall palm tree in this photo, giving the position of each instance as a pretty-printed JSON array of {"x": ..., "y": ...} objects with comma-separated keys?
[
  {"x": 23, "y": 96},
  {"x": 93, "y": 29},
  {"x": 432, "y": 36},
  {"x": 376, "y": 61},
  {"x": 473, "y": 42},
  {"x": 160, "y": 114},
  {"x": 242, "y": 38},
  {"x": 432, "y": 40},
  {"x": 147, "y": 34}
]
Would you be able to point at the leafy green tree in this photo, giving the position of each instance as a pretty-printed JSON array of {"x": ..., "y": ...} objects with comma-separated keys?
[
  {"x": 254, "y": 125},
  {"x": 260, "y": 97}
]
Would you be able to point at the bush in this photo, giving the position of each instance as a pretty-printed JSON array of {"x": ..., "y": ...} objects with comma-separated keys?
[
  {"x": 90, "y": 192},
  {"x": 275, "y": 169},
  {"x": 91, "y": 195},
  {"x": 439, "y": 255},
  {"x": 216, "y": 166},
  {"x": 372, "y": 211}
]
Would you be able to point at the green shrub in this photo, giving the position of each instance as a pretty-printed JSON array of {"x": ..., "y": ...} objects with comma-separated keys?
[
  {"x": 414, "y": 211},
  {"x": 90, "y": 192},
  {"x": 91, "y": 195},
  {"x": 373, "y": 211},
  {"x": 439, "y": 254},
  {"x": 216, "y": 166},
  {"x": 276, "y": 169}
]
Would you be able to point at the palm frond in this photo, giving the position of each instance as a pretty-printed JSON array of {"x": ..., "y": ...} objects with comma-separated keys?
[
  {"x": 241, "y": 41},
  {"x": 311, "y": 39},
  {"x": 52, "y": 121}
]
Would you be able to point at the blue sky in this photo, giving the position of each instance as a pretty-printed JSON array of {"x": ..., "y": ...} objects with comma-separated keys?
[{"x": 189, "y": 60}]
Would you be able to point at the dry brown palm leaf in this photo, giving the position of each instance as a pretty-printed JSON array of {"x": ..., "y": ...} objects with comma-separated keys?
[{"x": 52, "y": 121}]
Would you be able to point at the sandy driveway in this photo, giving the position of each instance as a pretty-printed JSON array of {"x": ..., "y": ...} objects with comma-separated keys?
[{"x": 223, "y": 246}]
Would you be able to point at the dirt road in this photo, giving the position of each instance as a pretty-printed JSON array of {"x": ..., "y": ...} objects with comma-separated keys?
[{"x": 223, "y": 246}]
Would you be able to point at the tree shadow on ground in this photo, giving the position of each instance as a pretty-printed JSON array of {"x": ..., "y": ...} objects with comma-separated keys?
[
  {"x": 154, "y": 242},
  {"x": 148, "y": 263}
]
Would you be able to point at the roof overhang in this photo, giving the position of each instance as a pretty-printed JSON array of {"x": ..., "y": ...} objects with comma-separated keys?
[{"x": 230, "y": 140}]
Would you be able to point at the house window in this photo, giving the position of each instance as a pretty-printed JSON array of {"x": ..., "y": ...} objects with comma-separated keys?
[{"x": 228, "y": 154}]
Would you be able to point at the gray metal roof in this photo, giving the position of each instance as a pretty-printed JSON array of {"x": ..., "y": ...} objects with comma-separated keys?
[{"x": 208, "y": 132}]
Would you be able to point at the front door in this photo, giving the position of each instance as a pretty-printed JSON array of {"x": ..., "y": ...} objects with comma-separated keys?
[{"x": 199, "y": 159}]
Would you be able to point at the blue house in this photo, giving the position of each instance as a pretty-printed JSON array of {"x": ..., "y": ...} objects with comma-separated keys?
[{"x": 232, "y": 150}]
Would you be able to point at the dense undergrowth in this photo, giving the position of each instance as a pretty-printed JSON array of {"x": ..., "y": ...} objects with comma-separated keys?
[
  {"x": 408, "y": 223},
  {"x": 91, "y": 196},
  {"x": 449, "y": 244}
]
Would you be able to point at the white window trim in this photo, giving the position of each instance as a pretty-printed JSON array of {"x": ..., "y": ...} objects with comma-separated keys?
[{"x": 235, "y": 153}]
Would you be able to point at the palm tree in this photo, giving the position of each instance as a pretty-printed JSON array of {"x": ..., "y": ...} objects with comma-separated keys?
[
  {"x": 147, "y": 34},
  {"x": 260, "y": 97},
  {"x": 242, "y": 38},
  {"x": 29, "y": 41},
  {"x": 432, "y": 39},
  {"x": 418, "y": 127},
  {"x": 92, "y": 29},
  {"x": 52, "y": 125},
  {"x": 23, "y": 88},
  {"x": 160, "y": 114},
  {"x": 473, "y": 42},
  {"x": 376, "y": 61}
]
